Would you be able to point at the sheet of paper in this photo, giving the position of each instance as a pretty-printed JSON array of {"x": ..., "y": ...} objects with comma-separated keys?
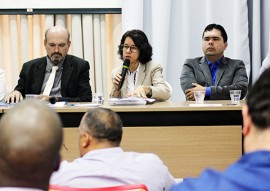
[
  {"x": 3, "y": 104},
  {"x": 130, "y": 101},
  {"x": 85, "y": 105},
  {"x": 58, "y": 104},
  {"x": 205, "y": 105}
]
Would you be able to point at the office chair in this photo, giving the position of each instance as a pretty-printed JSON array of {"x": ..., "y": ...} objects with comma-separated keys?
[{"x": 130, "y": 187}]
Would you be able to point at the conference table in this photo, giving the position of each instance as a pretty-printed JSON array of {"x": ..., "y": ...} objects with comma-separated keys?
[{"x": 186, "y": 136}]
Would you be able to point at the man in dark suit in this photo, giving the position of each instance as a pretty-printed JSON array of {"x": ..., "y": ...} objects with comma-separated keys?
[
  {"x": 71, "y": 81},
  {"x": 214, "y": 73}
]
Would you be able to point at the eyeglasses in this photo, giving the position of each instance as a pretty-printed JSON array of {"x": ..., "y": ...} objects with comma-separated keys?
[{"x": 132, "y": 49}]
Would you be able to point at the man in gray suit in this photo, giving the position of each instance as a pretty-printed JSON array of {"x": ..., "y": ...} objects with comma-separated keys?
[{"x": 214, "y": 73}]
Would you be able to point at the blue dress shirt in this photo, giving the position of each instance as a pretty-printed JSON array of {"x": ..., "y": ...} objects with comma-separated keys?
[{"x": 250, "y": 173}]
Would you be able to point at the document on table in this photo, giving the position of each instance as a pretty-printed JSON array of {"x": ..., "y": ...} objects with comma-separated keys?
[
  {"x": 85, "y": 104},
  {"x": 130, "y": 101},
  {"x": 205, "y": 105},
  {"x": 3, "y": 104},
  {"x": 58, "y": 104}
]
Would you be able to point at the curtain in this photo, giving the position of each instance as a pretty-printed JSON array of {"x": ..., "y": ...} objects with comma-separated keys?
[
  {"x": 256, "y": 38},
  {"x": 259, "y": 34},
  {"x": 22, "y": 36},
  {"x": 175, "y": 28}
]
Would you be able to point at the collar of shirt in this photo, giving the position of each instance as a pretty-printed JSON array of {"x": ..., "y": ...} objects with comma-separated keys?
[
  {"x": 56, "y": 89},
  {"x": 214, "y": 68},
  {"x": 217, "y": 62},
  {"x": 136, "y": 71},
  {"x": 50, "y": 65},
  {"x": 103, "y": 151}
]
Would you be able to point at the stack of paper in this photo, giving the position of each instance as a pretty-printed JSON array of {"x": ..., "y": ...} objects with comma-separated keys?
[
  {"x": 129, "y": 101},
  {"x": 85, "y": 104}
]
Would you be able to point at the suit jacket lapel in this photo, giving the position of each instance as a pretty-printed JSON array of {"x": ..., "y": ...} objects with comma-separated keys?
[
  {"x": 142, "y": 74},
  {"x": 221, "y": 69},
  {"x": 67, "y": 71},
  {"x": 38, "y": 76},
  {"x": 206, "y": 71}
]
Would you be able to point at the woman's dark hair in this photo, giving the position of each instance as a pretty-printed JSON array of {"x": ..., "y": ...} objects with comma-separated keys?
[{"x": 141, "y": 42}]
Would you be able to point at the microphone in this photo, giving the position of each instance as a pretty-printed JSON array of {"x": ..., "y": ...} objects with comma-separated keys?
[
  {"x": 52, "y": 100},
  {"x": 124, "y": 72}
]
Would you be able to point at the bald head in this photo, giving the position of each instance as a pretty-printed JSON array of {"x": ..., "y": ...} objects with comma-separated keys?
[
  {"x": 104, "y": 124},
  {"x": 57, "y": 30},
  {"x": 30, "y": 140},
  {"x": 57, "y": 43}
]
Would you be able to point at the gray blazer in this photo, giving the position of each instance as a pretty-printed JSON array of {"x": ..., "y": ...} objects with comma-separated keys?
[
  {"x": 150, "y": 74},
  {"x": 231, "y": 75}
]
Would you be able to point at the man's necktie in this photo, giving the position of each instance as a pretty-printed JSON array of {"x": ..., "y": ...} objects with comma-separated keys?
[
  {"x": 50, "y": 81},
  {"x": 214, "y": 73}
]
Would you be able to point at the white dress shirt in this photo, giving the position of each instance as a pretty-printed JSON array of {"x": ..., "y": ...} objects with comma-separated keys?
[
  {"x": 132, "y": 78},
  {"x": 113, "y": 167}
]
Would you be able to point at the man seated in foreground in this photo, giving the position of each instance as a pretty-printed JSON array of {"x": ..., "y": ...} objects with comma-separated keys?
[
  {"x": 30, "y": 140},
  {"x": 104, "y": 163},
  {"x": 252, "y": 171}
]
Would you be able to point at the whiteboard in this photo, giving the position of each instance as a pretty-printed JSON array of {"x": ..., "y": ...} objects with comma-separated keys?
[{"x": 58, "y": 4}]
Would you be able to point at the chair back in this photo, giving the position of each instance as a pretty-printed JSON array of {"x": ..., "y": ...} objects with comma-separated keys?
[{"x": 131, "y": 187}]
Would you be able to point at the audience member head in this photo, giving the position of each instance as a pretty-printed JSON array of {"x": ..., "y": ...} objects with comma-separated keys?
[
  {"x": 57, "y": 43},
  {"x": 140, "y": 46},
  {"x": 99, "y": 128},
  {"x": 30, "y": 141},
  {"x": 256, "y": 115},
  {"x": 214, "y": 42}
]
